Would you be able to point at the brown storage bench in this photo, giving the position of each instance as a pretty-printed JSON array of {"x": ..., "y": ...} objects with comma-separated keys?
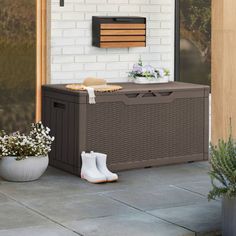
[{"x": 138, "y": 126}]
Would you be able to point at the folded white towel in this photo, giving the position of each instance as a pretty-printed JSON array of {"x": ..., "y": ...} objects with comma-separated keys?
[{"x": 91, "y": 94}]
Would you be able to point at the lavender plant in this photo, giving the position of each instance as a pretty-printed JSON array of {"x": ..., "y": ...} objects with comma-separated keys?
[
  {"x": 37, "y": 143},
  {"x": 148, "y": 71},
  {"x": 223, "y": 169}
]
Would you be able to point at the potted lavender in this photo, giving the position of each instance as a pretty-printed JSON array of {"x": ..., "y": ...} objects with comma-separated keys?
[
  {"x": 223, "y": 179},
  {"x": 25, "y": 157},
  {"x": 145, "y": 74}
]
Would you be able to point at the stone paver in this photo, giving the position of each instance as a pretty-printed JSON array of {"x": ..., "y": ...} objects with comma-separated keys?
[
  {"x": 163, "y": 201},
  {"x": 13, "y": 215},
  {"x": 200, "y": 218}
]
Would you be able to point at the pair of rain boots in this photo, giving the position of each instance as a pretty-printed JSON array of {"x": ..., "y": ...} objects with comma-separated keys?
[{"x": 94, "y": 168}]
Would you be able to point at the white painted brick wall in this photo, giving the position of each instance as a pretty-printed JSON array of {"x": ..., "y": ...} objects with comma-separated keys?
[{"x": 73, "y": 57}]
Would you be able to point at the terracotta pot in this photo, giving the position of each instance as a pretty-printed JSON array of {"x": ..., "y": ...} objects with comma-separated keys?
[{"x": 22, "y": 170}]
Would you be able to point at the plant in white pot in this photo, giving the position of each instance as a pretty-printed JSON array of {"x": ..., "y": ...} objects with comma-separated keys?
[
  {"x": 147, "y": 74},
  {"x": 25, "y": 157},
  {"x": 223, "y": 178}
]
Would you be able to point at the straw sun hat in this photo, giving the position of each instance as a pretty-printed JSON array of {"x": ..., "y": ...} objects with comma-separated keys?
[{"x": 99, "y": 85}]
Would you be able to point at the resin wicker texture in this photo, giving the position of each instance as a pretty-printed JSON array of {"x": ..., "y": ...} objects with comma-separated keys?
[{"x": 138, "y": 126}]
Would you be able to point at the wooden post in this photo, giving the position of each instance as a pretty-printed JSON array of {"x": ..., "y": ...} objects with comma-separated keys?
[
  {"x": 223, "y": 68},
  {"x": 41, "y": 71}
]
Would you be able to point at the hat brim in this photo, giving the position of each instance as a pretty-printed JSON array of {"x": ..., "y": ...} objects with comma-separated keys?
[{"x": 97, "y": 88}]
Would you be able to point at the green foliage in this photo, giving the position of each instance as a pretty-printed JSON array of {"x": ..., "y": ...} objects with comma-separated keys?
[
  {"x": 17, "y": 19},
  {"x": 167, "y": 72},
  {"x": 223, "y": 172},
  {"x": 196, "y": 24}
]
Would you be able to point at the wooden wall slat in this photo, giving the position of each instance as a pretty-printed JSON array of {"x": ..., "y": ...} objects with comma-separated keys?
[
  {"x": 123, "y": 26},
  {"x": 123, "y": 32},
  {"x": 122, "y": 38},
  {"x": 122, "y": 44}
]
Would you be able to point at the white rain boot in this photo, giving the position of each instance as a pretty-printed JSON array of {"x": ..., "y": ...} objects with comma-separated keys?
[
  {"x": 89, "y": 170},
  {"x": 102, "y": 167}
]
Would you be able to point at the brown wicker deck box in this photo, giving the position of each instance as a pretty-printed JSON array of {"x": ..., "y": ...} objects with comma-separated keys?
[{"x": 138, "y": 126}]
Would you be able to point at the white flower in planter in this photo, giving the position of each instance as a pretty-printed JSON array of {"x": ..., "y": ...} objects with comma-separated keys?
[
  {"x": 148, "y": 74},
  {"x": 25, "y": 157}
]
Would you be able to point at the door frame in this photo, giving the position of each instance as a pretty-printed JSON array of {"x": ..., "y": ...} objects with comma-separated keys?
[
  {"x": 41, "y": 53},
  {"x": 177, "y": 42}
]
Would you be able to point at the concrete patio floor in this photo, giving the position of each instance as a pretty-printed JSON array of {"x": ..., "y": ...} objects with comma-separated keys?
[{"x": 164, "y": 201}]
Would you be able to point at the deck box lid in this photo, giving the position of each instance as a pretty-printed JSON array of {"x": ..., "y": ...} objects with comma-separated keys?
[{"x": 130, "y": 88}]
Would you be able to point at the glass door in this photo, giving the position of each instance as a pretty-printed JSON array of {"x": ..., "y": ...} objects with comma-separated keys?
[
  {"x": 194, "y": 41},
  {"x": 17, "y": 64}
]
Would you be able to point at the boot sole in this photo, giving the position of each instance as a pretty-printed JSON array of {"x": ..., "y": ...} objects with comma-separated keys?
[
  {"x": 94, "y": 182},
  {"x": 111, "y": 181}
]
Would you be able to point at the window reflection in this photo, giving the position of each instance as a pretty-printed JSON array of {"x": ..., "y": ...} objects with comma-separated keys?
[
  {"x": 195, "y": 41},
  {"x": 17, "y": 63}
]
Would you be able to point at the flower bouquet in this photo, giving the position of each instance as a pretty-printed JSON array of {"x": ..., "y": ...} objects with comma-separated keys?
[{"x": 145, "y": 74}]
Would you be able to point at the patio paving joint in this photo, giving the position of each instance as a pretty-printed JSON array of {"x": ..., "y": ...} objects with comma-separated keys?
[
  {"x": 148, "y": 213},
  {"x": 194, "y": 192},
  {"x": 189, "y": 191}
]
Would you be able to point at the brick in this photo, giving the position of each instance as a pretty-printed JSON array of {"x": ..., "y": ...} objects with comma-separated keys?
[
  {"x": 161, "y": 2},
  {"x": 62, "y": 24},
  {"x": 130, "y": 57},
  {"x": 116, "y": 66},
  {"x": 72, "y": 67},
  {"x": 106, "y": 7},
  {"x": 95, "y": 1},
  {"x": 56, "y": 33},
  {"x": 85, "y": 58},
  {"x": 106, "y": 58},
  {"x": 166, "y": 8},
  {"x": 150, "y": 8},
  {"x": 118, "y": 1},
  {"x": 108, "y": 74},
  {"x": 62, "y": 59},
  {"x": 62, "y": 42},
  {"x": 74, "y": 16},
  {"x": 56, "y": 16},
  {"x": 73, "y": 33},
  {"x": 62, "y": 75},
  {"x": 166, "y": 25},
  {"x": 139, "y": 1},
  {"x": 85, "y": 7},
  {"x": 55, "y": 67},
  {"x": 95, "y": 66},
  {"x": 129, "y": 8},
  {"x": 72, "y": 50}
]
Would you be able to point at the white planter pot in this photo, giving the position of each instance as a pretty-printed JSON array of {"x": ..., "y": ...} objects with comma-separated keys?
[
  {"x": 228, "y": 216},
  {"x": 144, "y": 80},
  {"x": 23, "y": 170}
]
